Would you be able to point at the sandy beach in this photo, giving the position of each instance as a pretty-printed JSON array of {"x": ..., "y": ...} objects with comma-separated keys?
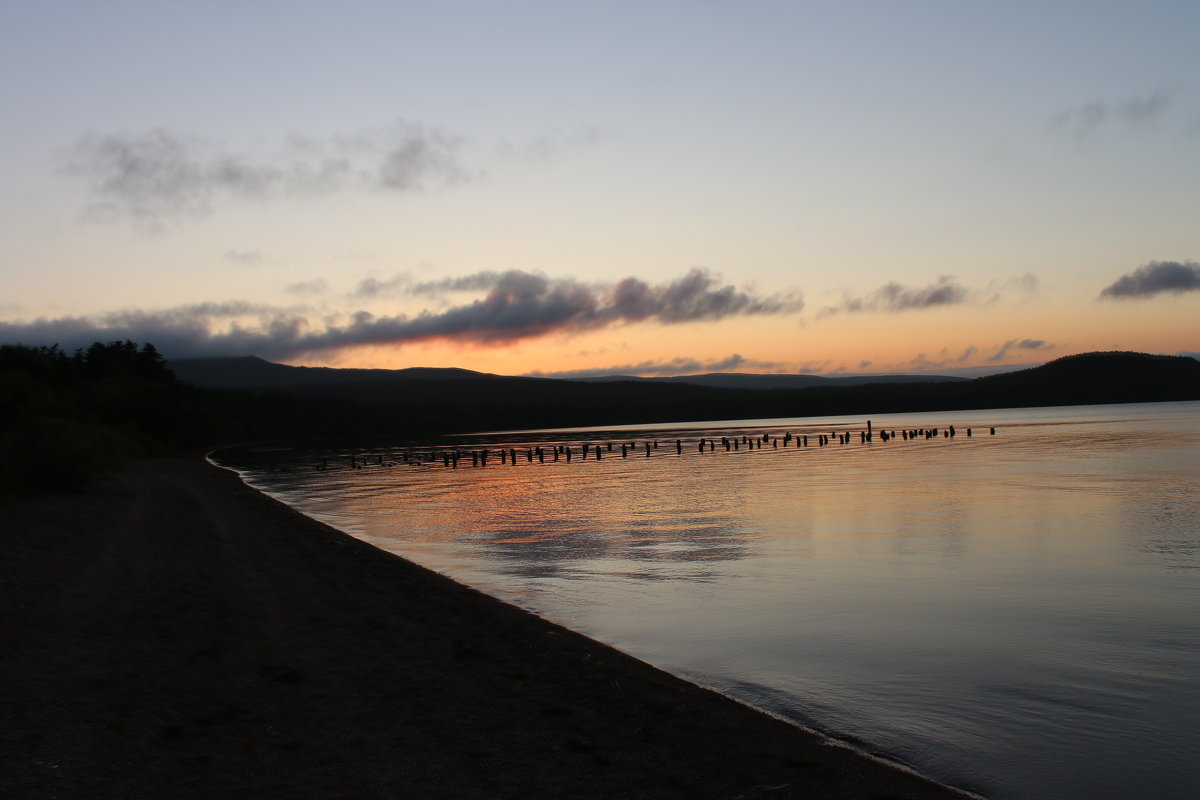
[{"x": 172, "y": 633}]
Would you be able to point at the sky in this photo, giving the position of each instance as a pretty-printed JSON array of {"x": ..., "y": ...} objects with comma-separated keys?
[{"x": 581, "y": 188}]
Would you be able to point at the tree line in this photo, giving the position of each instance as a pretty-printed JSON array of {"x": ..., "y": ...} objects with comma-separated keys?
[{"x": 65, "y": 418}]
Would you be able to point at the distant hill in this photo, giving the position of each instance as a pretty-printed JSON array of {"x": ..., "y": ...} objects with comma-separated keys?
[
  {"x": 743, "y": 380},
  {"x": 452, "y": 399},
  {"x": 1089, "y": 378},
  {"x": 251, "y": 372},
  {"x": 66, "y": 418}
]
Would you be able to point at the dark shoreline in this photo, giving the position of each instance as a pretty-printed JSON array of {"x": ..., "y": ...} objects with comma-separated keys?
[{"x": 171, "y": 632}]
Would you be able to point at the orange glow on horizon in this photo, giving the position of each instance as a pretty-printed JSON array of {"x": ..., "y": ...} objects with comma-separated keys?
[{"x": 921, "y": 341}]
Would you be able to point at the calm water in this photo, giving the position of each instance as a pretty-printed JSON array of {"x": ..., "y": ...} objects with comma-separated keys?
[{"x": 1018, "y": 613}]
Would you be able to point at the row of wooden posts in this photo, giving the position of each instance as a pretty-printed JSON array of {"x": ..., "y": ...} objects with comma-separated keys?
[{"x": 596, "y": 451}]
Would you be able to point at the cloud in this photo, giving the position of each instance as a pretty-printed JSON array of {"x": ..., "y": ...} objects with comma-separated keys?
[
  {"x": 157, "y": 177},
  {"x": 1023, "y": 287},
  {"x": 547, "y": 148},
  {"x": 419, "y": 158},
  {"x": 944, "y": 358},
  {"x": 464, "y": 283},
  {"x": 314, "y": 287},
  {"x": 894, "y": 297},
  {"x": 373, "y": 287},
  {"x": 948, "y": 359},
  {"x": 1155, "y": 278},
  {"x": 693, "y": 297},
  {"x": 244, "y": 256},
  {"x": 1085, "y": 119},
  {"x": 676, "y": 366},
  {"x": 515, "y": 306},
  {"x": 921, "y": 362},
  {"x": 198, "y": 329},
  {"x": 403, "y": 284},
  {"x": 945, "y": 292},
  {"x": 1138, "y": 108},
  {"x": 1002, "y": 352}
]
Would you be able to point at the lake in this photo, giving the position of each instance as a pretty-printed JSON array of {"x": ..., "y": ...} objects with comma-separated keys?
[{"x": 1016, "y": 613}]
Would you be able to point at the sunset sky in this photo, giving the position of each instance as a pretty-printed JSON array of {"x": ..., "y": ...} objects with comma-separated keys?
[{"x": 567, "y": 188}]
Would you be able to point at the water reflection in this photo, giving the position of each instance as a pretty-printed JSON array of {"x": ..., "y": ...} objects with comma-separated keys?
[{"x": 1016, "y": 612}]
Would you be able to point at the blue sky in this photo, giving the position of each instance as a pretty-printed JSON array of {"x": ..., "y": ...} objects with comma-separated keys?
[{"x": 563, "y": 187}]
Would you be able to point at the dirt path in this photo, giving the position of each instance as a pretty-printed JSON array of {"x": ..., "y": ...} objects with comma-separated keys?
[{"x": 173, "y": 634}]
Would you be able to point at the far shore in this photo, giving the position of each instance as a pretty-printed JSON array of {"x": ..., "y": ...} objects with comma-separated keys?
[{"x": 170, "y": 632}]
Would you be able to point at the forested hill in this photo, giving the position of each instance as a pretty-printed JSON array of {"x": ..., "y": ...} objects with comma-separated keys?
[
  {"x": 1113, "y": 377},
  {"x": 249, "y": 372},
  {"x": 1088, "y": 378},
  {"x": 64, "y": 417},
  {"x": 741, "y": 380},
  {"x": 462, "y": 400}
]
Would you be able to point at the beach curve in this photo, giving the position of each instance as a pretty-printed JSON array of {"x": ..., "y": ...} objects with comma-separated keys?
[{"x": 172, "y": 632}]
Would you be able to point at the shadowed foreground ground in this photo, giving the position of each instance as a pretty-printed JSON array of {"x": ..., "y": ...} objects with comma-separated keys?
[{"x": 172, "y": 633}]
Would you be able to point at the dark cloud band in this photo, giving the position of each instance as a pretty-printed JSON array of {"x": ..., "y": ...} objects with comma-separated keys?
[
  {"x": 1157, "y": 277},
  {"x": 515, "y": 306}
]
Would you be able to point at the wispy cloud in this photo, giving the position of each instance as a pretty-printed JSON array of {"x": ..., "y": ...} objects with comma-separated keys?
[
  {"x": 1022, "y": 287},
  {"x": 157, "y": 177},
  {"x": 244, "y": 256},
  {"x": 923, "y": 362},
  {"x": 1154, "y": 278},
  {"x": 514, "y": 306},
  {"x": 1005, "y": 350},
  {"x": 675, "y": 366},
  {"x": 1085, "y": 119},
  {"x": 947, "y": 358},
  {"x": 549, "y": 147},
  {"x": 374, "y": 287},
  {"x": 316, "y": 286},
  {"x": 895, "y": 297}
]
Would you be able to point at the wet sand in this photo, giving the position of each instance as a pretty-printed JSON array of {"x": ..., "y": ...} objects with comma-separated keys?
[{"x": 172, "y": 633}]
